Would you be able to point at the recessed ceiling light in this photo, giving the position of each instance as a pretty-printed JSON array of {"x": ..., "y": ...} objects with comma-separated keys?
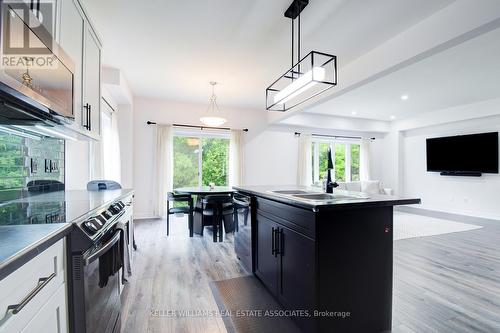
[
  {"x": 404, "y": 97},
  {"x": 354, "y": 113},
  {"x": 392, "y": 117}
]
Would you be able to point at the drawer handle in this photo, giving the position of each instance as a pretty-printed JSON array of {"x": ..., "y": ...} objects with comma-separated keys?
[
  {"x": 42, "y": 282},
  {"x": 273, "y": 239}
]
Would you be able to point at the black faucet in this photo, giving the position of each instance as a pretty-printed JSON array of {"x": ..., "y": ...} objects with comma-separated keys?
[{"x": 329, "y": 184}]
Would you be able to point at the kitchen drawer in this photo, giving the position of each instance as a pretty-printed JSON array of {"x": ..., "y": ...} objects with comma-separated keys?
[
  {"x": 52, "y": 317},
  {"x": 40, "y": 277},
  {"x": 298, "y": 219}
]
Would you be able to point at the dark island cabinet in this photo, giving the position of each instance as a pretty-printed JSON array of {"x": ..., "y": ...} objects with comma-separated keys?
[
  {"x": 285, "y": 263},
  {"x": 266, "y": 264},
  {"x": 336, "y": 264}
]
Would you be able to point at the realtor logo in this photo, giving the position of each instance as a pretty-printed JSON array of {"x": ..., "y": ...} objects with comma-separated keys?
[{"x": 27, "y": 40}]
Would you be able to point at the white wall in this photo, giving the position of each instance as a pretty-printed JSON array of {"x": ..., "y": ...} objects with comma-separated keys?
[
  {"x": 170, "y": 112},
  {"x": 125, "y": 118},
  {"x": 462, "y": 195},
  {"x": 271, "y": 158},
  {"x": 78, "y": 153},
  {"x": 77, "y": 165},
  {"x": 399, "y": 160}
]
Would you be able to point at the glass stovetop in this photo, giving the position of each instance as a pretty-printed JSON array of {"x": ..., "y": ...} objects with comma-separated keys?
[
  {"x": 33, "y": 213},
  {"x": 56, "y": 207}
]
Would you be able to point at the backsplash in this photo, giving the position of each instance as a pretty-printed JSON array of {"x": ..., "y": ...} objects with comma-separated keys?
[{"x": 30, "y": 166}]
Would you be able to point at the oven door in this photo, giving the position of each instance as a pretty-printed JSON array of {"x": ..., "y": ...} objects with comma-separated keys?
[{"x": 102, "y": 305}]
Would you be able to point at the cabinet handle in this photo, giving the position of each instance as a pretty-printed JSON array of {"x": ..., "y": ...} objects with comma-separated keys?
[
  {"x": 281, "y": 242},
  {"x": 90, "y": 117},
  {"x": 86, "y": 125},
  {"x": 42, "y": 282},
  {"x": 276, "y": 242},
  {"x": 273, "y": 239}
]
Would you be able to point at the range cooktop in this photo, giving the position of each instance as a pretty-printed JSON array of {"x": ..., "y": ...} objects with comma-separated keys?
[
  {"x": 32, "y": 213},
  {"x": 55, "y": 207}
]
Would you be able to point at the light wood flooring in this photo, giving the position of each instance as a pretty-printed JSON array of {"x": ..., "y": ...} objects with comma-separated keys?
[{"x": 444, "y": 283}]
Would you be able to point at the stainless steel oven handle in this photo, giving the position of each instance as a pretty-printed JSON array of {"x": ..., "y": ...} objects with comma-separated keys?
[
  {"x": 42, "y": 282},
  {"x": 104, "y": 248}
]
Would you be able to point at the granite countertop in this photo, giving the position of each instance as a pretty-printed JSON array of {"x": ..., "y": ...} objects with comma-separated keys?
[
  {"x": 361, "y": 200},
  {"x": 22, "y": 237}
]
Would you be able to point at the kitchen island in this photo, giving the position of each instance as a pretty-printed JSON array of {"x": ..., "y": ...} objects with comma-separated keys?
[{"x": 328, "y": 255}]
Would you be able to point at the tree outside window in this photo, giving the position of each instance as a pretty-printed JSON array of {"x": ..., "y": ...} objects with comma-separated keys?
[
  {"x": 200, "y": 161},
  {"x": 346, "y": 160}
]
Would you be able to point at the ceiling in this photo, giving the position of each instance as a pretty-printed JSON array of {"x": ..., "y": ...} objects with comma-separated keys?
[
  {"x": 464, "y": 74},
  {"x": 172, "y": 49}
]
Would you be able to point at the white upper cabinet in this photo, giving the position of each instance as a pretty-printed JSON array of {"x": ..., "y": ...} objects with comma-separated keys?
[
  {"x": 78, "y": 39},
  {"x": 92, "y": 80},
  {"x": 71, "y": 40}
]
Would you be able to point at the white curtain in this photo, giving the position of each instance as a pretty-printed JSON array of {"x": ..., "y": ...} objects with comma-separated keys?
[
  {"x": 364, "y": 160},
  {"x": 109, "y": 148},
  {"x": 96, "y": 162},
  {"x": 164, "y": 166},
  {"x": 304, "y": 170},
  {"x": 114, "y": 171},
  {"x": 235, "y": 157}
]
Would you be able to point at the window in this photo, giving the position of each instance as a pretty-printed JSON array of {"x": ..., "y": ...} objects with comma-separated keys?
[
  {"x": 200, "y": 160},
  {"x": 346, "y": 157}
]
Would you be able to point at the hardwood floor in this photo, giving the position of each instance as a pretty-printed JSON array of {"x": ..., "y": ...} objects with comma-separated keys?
[
  {"x": 448, "y": 283},
  {"x": 445, "y": 283},
  {"x": 173, "y": 273}
]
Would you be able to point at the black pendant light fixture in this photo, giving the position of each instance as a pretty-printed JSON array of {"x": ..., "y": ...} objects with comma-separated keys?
[{"x": 308, "y": 77}]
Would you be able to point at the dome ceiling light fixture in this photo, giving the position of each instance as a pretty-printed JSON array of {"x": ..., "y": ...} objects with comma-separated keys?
[
  {"x": 308, "y": 77},
  {"x": 212, "y": 116}
]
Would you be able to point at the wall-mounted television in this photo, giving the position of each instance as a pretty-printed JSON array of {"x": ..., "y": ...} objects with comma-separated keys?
[{"x": 463, "y": 155}]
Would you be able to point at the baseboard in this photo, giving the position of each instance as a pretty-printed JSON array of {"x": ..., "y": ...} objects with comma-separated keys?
[
  {"x": 446, "y": 215},
  {"x": 146, "y": 217}
]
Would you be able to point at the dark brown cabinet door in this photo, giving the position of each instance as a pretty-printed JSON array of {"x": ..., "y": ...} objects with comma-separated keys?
[
  {"x": 296, "y": 288},
  {"x": 266, "y": 266}
]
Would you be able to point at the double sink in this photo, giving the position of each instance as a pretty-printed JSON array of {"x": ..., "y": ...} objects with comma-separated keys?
[{"x": 319, "y": 196}]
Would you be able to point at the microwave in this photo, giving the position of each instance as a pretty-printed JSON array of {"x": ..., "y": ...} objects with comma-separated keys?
[{"x": 36, "y": 75}]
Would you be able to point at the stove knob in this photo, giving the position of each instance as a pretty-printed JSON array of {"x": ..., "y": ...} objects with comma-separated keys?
[
  {"x": 107, "y": 215},
  {"x": 114, "y": 209},
  {"x": 90, "y": 227},
  {"x": 98, "y": 222}
]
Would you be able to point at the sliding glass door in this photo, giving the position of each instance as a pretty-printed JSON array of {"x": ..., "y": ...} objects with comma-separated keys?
[{"x": 200, "y": 160}]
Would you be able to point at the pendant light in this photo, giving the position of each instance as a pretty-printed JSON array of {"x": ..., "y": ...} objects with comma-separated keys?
[
  {"x": 308, "y": 77},
  {"x": 212, "y": 116}
]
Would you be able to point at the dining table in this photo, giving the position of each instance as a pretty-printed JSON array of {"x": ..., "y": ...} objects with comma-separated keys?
[
  {"x": 205, "y": 190},
  {"x": 200, "y": 192}
]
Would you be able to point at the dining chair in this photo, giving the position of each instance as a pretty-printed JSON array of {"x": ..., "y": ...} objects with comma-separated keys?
[
  {"x": 241, "y": 208},
  {"x": 218, "y": 207},
  {"x": 173, "y": 197}
]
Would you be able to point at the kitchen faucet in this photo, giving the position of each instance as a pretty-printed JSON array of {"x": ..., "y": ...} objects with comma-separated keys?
[{"x": 329, "y": 184}]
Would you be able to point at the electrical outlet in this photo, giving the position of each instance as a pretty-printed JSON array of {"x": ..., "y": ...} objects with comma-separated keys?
[
  {"x": 54, "y": 166},
  {"x": 33, "y": 166}
]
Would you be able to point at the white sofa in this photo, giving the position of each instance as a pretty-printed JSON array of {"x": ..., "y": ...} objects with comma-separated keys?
[{"x": 366, "y": 186}]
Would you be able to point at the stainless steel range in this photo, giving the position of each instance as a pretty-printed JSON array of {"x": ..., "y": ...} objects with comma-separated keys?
[
  {"x": 99, "y": 248},
  {"x": 100, "y": 244}
]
